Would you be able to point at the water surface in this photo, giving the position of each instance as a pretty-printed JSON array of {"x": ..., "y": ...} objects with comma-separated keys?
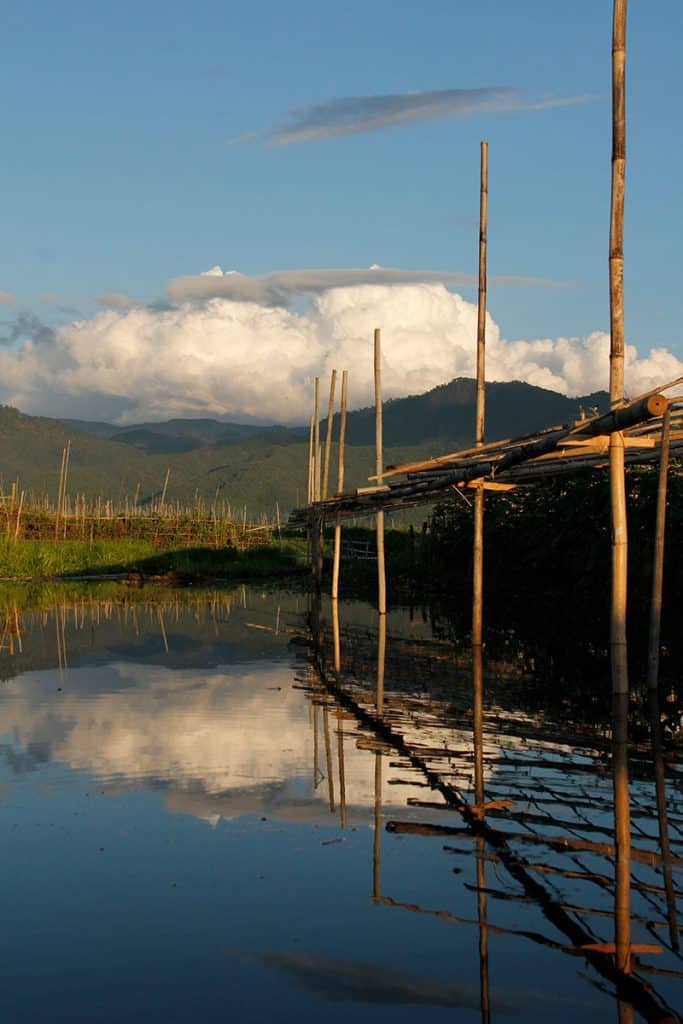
[{"x": 222, "y": 806}]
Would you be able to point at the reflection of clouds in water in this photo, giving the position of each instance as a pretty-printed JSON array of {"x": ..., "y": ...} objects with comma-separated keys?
[{"x": 227, "y": 743}]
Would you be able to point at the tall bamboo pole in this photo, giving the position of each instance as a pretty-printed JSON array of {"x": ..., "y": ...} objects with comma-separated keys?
[
  {"x": 658, "y": 561},
  {"x": 316, "y": 441},
  {"x": 310, "y": 463},
  {"x": 622, "y": 827},
  {"x": 340, "y": 483},
  {"x": 328, "y": 435},
  {"x": 478, "y": 539},
  {"x": 379, "y": 469}
]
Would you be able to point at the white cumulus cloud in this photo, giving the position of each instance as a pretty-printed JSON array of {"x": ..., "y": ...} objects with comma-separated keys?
[{"x": 236, "y": 358}]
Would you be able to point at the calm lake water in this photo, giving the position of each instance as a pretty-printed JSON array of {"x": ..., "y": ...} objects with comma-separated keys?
[{"x": 221, "y": 807}]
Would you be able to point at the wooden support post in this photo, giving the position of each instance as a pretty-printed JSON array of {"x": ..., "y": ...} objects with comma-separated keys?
[
  {"x": 379, "y": 469},
  {"x": 658, "y": 560},
  {"x": 340, "y": 484},
  {"x": 316, "y": 441},
  {"x": 478, "y": 538},
  {"x": 311, "y": 470},
  {"x": 620, "y": 686},
  {"x": 328, "y": 435}
]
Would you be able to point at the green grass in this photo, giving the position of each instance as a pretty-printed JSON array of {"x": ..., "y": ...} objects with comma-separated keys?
[{"x": 29, "y": 559}]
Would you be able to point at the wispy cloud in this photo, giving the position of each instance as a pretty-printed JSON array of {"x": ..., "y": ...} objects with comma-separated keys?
[
  {"x": 352, "y": 115},
  {"x": 49, "y": 297},
  {"x": 115, "y": 300},
  {"x": 7, "y": 299},
  {"x": 283, "y": 286}
]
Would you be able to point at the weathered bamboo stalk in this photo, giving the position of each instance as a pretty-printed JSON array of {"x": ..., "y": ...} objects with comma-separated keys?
[
  {"x": 328, "y": 435},
  {"x": 340, "y": 484},
  {"x": 316, "y": 440},
  {"x": 60, "y": 492},
  {"x": 658, "y": 561},
  {"x": 379, "y": 466},
  {"x": 311, "y": 477},
  {"x": 618, "y": 639},
  {"x": 478, "y": 538}
]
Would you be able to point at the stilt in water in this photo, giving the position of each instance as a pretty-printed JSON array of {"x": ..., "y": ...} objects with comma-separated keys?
[
  {"x": 340, "y": 484},
  {"x": 478, "y": 539},
  {"x": 379, "y": 464},
  {"x": 618, "y": 648},
  {"x": 328, "y": 435}
]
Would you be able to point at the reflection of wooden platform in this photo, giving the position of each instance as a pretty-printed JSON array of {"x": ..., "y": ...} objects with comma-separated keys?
[
  {"x": 534, "y": 798},
  {"x": 502, "y": 465}
]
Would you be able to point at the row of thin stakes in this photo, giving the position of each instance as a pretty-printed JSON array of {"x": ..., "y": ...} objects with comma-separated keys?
[{"x": 319, "y": 474}]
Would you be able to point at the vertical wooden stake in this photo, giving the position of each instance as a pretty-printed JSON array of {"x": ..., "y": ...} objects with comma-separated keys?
[
  {"x": 618, "y": 647},
  {"x": 328, "y": 435},
  {"x": 316, "y": 440},
  {"x": 340, "y": 484},
  {"x": 311, "y": 464},
  {"x": 60, "y": 492},
  {"x": 379, "y": 469},
  {"x": 658, "y": 561},
  {"x": 478, "y": 538}
]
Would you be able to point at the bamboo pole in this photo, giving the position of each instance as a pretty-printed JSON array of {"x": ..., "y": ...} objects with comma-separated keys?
[
  {"x": 618, "y": 648},
  {"x": 340, "y": 484},
  {"x": 60, "y": 492},
  {"x": 328, "y": 435},
  {"x": 379, "y": 466},
  {"x": 316, "y": 440},
  {"x": 478, "y": 538},
  {"x": 163, "y": 492},
  {"x": 311, "y": 470},
  {"x": 658, "y": 561}
]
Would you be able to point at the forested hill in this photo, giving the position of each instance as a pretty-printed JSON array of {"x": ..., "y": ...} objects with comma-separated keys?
[{"x": 254, "y": 464}]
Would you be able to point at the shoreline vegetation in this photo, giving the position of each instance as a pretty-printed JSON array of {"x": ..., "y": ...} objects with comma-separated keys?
[{"x": 547, "y": 556}]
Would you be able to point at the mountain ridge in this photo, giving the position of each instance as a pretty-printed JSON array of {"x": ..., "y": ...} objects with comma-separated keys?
[{"x": 260, "y": 465}]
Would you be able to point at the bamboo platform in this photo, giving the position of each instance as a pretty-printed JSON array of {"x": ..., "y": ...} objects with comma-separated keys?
[{"x": 503, "y": 465}]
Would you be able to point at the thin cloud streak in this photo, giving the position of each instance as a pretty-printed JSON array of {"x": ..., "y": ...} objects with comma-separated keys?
[
  {"x": 115, "y": 300},
  {"x": 279, "y": 289},
  {"x": 7, "y": 299},
  {"x": 354, "y": 115}
]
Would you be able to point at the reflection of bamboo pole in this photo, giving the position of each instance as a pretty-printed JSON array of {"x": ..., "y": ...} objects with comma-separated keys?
[
  {"x": 478, "y": 539},
  {"x": 377, "y": 839},
  {"x": 379, "y": 466},
  {"x": 381, "y": 658},
  {"x": 162, "y": 627},
  {"x": 658, "y": 561},
  {"x": 328, "y": 435},
  {"x": 662, "y": 818},
  {"x": 342, "y": 771},
  {"x": 478, "y": 726},
  {"x": 484, "y": 986},
  {"x": 328, "y": 758},
  {"x": 315, "y": 747},
  {"x": 622, "y": 834},
  {"x": 379, "y": 703},
  {"x": 340, "y": 484}
]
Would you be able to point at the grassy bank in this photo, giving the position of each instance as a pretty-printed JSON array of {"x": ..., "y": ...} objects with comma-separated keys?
[{"x": 40, "y": 559}]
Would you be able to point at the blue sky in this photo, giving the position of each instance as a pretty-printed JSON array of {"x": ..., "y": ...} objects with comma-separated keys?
[{"x": 118, "y": 172}]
